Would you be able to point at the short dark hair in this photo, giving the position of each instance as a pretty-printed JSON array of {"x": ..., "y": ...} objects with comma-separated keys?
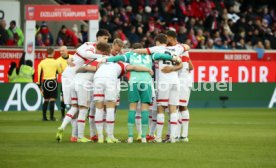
[
  {"x": 13, "y": 22},
  {"x": 50, "y": 51},
  {"x": 29, "y": 63},
  {"x": 171, "y": 33},
  {"x": 63, "y": 27},
  {"x": 103, "y": 47},
  {"x": 161, "y": 38},
  {"x": 137, "y": 45},
  {"x": 103, "y": 32}
]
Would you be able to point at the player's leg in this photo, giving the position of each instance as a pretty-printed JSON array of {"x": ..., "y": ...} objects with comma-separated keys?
[
  {"x": 179, "y": 125},
  {"x": 110, "y": 98},
  {"x": 74, "y": 124},
  {"x": 146, "y": 99},
  {"x": 150, "y": 116},
  {"x": 44, "y": 109},
  {"x": 74, "y": 120},
  {"x": 69, "y": 116},
  {"x": 151, "y": 106},
  {"x": 185, "y": 117},
  {"x": 167, "y": 137},
  {"x": 53, "y": 97},
  {"x": 138, "y": 121},
  {"x": 110, "y": 119},
  {"x": 92, "y": 125},
  {"x": 153, "y": 122},
  {"x": 162, "y": 102},
  {"x": 62, "y": 105},
  {"x": 84, "y": 97},
  {"x": 99, "y": 102},
  {"x": 70, "y": 97},
  {"x": 133, "y": 98},
  {"x": 46, "y": 97},
  {"x": 173, "y": 103},
  {"x": 184, "y": 111}
]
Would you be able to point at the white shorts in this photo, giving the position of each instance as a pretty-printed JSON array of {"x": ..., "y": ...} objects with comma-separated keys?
[
  {"x": 167, "y": 94},
  {"x": 67, "y": 83},
  {"x": 105, "y": 89},
  {"x": 184, "y": 95},
  {"x": 83, "y": 93}
]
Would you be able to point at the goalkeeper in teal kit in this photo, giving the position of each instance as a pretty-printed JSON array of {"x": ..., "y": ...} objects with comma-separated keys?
[{"x": 140, "y": 86}]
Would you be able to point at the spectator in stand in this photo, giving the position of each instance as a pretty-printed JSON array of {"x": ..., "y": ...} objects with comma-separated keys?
[
  {"x": 233, "y": 45},
  {"x": 241, "y": 44},
  {"x": 120, "y": 34},
  {"x": 199, "y": 36},
  {"x": 104, "y": 23},
  {"x": 267, "y": 45},
  {"x": 15, "y": 35},
  {"x": 182, "y": 35},
  {"x": 210, "y": 44},
  {"x": 67, "y": 37},
  {"x": 46, "y": 35},
  {"x": 132, "y": 35},
  {"x": 3, "y": 32},
  {"x": 233, "y": 19},
  {"x": 213, "y": 21},
  {"x": 77, "y": 33},
  {"x": 218, "y": 43},
  {"x": 38, "y": 40},
  {"x": 259, "y": 47},
  {"x": 84, "y": 33},
  {"x": 192, "y": 38}
]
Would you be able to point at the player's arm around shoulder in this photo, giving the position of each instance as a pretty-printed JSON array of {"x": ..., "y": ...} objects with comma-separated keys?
[
  {"x": 168, "y": 69},
  {"x": 123, "y": 58},
  {"x": 138, "y": 68},
  {"x": 161, "y": 56},
  {"x": 89, "y": 68},
  {"x": 186, "y": 47}
]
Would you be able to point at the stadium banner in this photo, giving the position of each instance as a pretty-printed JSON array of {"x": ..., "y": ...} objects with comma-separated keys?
[
  {"x": 231, "y": 71},
  {"x": 61, "y": 12},
  {"x": 29, "y": 44},
  {"x": 204, "y": 71},
  {"x": 231, "y": 55},
  {"x": 35, "y": 13},
  {"x": 27, "y": 97}
]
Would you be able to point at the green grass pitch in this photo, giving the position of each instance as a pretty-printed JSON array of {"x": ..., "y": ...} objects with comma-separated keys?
[{"x": 242, "y": 138}]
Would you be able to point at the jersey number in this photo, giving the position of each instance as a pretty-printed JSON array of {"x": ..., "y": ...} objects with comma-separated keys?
[
  {"x": 168, "y": 62},
  {"x": 144, "y": 60}
]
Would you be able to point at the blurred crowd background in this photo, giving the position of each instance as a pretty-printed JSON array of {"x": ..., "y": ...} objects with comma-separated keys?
[{"x": 202, "y": 24}]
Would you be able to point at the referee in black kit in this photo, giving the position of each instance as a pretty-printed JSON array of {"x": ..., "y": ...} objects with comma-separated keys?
[{"x": 47, "y": 82}]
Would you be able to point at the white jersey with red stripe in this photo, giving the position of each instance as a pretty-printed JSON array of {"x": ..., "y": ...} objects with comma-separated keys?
[
  {"x": 172, "y": 77},
  {"x": 111, "y": 70},
  {"x": 178, "y": 49},
  {"x": 87, "y": 76},
  {"x": 185, "y": 76},
  {"x": 84, "y": 53}
]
